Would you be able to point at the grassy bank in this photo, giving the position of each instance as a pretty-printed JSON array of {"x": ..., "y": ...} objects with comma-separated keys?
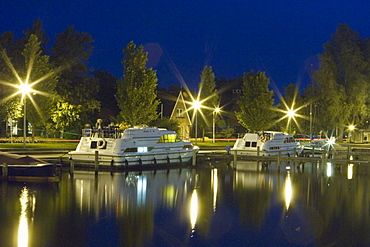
[
  {"x": 53, "y": 144},
  {"x": 211, "y": 144}
]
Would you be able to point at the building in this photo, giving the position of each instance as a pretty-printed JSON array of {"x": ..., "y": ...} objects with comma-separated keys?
[{"x": 180, "y": 114}]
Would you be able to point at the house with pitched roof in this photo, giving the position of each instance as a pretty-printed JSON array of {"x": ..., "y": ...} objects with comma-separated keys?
[{"x": 180, "y": 114}]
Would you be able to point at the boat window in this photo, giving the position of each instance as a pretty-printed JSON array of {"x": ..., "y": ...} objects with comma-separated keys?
[
  {"x": 142, "y": 149},
  {"x": 247, "y": 144},
  {"x": 187, "y": 146},
  {"x": 94, "y": 144},
  {"x": 254, "y": 144},
  {"x": 169, "y": 138},
  {"x": 130, "y": 150},
  {"x": 138, "y": 149}
]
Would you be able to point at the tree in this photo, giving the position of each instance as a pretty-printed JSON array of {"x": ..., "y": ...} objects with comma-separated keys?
[
  {"x": 44, "y": 80},
  {"x": 108, "y": 87},
  {"x": 39, "y": 32},
  {"x": 71, "y": 51},
  {"x": 208, "y": 96},
  {"x": 256, "y": 102},
  {"x": 136, "y": 95},
  {"x": 343, "y": 80},
  {"x": 166, "y": 123},
  {"x": 63, "y": 115}
]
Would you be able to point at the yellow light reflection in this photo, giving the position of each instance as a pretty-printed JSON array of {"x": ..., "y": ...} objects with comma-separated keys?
[
  {"x": 350, "y": 171},
  {"x": 288, "y": 192},
  {"x": 194, "y": 208},
  {"x": 214, "y": 187},
  {"x": 169, "y": 195},
  {"x": 23, "y": 221},
  {"x": 329, "y": 172}
]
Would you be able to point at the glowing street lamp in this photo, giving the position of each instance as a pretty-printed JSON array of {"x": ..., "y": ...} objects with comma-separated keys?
[
  {"x": 291, "y": 115},
  {"x": 216, "y": 110}
]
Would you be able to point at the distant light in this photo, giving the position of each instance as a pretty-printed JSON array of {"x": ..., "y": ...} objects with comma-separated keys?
[
  {"x": 217, "y": 110},
  {"x": 351, "y": 127}
]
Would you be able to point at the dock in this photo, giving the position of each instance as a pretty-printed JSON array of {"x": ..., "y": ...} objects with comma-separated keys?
[{"x": 206, "y": 155}]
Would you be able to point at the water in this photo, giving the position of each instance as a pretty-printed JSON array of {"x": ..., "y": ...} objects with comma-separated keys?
[{"x": 213, "y": 205}]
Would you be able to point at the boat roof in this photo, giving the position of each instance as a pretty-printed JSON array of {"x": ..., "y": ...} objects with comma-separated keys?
[
  {"x": 15, "y": 159},
  {"x": 147, "y": 131}
]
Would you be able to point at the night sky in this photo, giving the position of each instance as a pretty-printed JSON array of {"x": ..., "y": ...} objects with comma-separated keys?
[{"x": 282, "y": 38}]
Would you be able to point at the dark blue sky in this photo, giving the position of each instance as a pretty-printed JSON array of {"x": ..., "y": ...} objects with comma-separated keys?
[{"x": 279, "y": 37}]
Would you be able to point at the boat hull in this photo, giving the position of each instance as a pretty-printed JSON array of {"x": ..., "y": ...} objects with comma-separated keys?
[
  {"x": 32, "y": 173},
  {"x": 289, "y": 152},
  {"x": 267, "y": 144},
  {"x": 134, "y": 159}
]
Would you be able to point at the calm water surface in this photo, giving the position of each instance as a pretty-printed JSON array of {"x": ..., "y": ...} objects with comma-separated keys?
[{"x": 213, "y": 205}]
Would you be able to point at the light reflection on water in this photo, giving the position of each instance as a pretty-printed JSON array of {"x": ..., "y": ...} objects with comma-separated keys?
[
  {"x": 23, "y": 221},
  {"x": 214, "y": 205}
]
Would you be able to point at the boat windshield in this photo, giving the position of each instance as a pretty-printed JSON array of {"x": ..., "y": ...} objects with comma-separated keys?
[{"x": 169, "y": 138}]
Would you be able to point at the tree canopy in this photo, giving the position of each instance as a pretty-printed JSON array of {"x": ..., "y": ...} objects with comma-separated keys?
[
  {"x": 342, "y": 80},
  {"x": 71, "y": 51},
  {"x": 208, "y": 95},
  {"x": 136, "y": 91},
  {"x": 256, "y": 102}
]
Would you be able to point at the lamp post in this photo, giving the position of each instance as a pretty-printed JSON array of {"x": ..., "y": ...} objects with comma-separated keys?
[
  {"x": 196, "y": 105},
  {"x": 351, "y": 128},
  {"x": 216, "y": 110},
  {"x": 24, "y": 122},
  {"x": 291, "y": 114},
  {"x": 24, "y": 89}
]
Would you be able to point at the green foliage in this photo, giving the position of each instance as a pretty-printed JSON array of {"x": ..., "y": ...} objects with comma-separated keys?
[
  {"x": 71, "y": 51},
  {"x": 41, "y": 71},
  {"x": 226, "y": 133},
  {"x": 343, "y": 80},
  {"x": 9, "y": 107},
  {"x": 166, "y": 123},
  {"x": 256, "y": 102},
  {"x": 208, "y": 96},
  {"x": 207, "y": 89},
  {"x": 63, "y": 115},
  {"x": 39, "y": 32},
  {"x": 108, "y": 87},
  {"x": 136, "y": 91}
]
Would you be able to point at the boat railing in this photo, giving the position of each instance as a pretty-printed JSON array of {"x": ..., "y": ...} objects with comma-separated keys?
[{"x": 105, "y": 132}]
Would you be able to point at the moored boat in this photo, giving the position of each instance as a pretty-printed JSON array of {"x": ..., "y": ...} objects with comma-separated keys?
[
  {"x": 27, "y": 169},
  {"x": 132, "y": 146},
  {"x": 267, "y": 143}
]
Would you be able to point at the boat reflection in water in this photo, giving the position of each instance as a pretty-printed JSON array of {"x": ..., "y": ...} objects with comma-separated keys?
[{"x": 213, "y": 205}]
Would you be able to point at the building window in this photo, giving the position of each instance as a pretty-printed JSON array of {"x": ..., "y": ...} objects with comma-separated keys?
[{"x": 178, "y": 112}]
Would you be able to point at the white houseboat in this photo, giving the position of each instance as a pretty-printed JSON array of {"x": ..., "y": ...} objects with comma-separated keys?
[
  {"x": 267, "y": 143},
  {"x": 132, "y": 146}
]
